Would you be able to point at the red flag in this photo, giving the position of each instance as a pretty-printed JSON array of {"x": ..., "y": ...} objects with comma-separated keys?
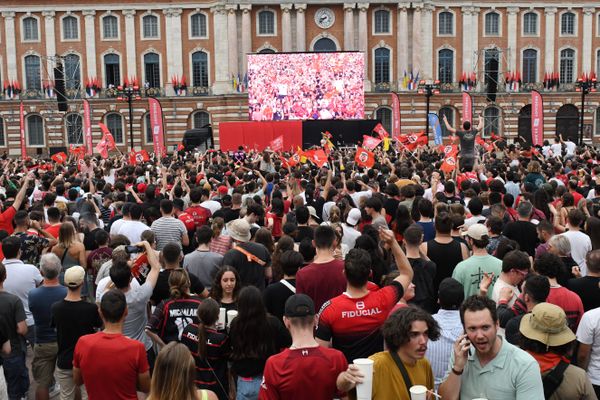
[
  {"x": 364, "y": 158},
  {"x": 22, "y": 130},
  {"x": 136, "y": 157},
  {"x": 369, "y": 142},
  {"x": 449, "y": 163},
  {"x": 537, "y": 118},
  {"x": 380, "y": 130},
  {"x": 487, "y": 146},
  {"x": 180, "y": 147},
  {"x": 277, "y": 143},
  {"x": 396, "y": 121},
  {"x": 107, "y": 136},
  {"x": 78, "y": 151},
  {"x": 87, "y": 127},
  {"x": 318, "y": 157},
  {"x": 59, "y": 158},
  {"x": 156, "y": 124},
  {"x": 414, "y": 140},
  {"x": 467, "y": 105}
]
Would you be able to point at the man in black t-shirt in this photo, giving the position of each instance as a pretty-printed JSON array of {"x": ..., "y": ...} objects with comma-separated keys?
[
  {"x": 73, "y": 318},
  {"x": 424, "y": 270},
  {"x": 467, "y": 142},
  {"x": 89, "y": 225},
  {"x": 276, "y": 294},
  {"x": 588, "y": 287}
]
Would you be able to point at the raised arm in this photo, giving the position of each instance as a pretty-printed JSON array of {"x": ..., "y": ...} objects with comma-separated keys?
[
  {"x": 448, "y": 126},
  {"x": 406, "y": 271}
]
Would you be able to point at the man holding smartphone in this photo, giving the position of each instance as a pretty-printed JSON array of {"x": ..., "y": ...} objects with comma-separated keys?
[{"x": 484, "y": 365}]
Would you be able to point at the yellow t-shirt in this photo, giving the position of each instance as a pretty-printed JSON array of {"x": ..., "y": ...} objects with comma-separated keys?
[{"x": 388, "y": 383}]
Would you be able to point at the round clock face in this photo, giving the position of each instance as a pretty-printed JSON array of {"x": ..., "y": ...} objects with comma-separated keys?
[{"x": 324, "y": 18}]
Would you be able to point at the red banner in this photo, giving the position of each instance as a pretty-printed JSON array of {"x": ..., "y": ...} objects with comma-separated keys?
[
  {"x": 137, "y": 157},
  {"x": 537, "y": 118},
  {"x": 396, "y": 121},
  {"x": 22, "y": 130},
  {"x": 156, "y": 124},
  {"x": 467, "y": 106},
  {"x": 369, "y": 142},
  {"x": 277, "y": 143},
  {"x": 87, "y": 127},
  {"x": 450, "y": 153},
  {"x": 364, "y": 158},
  {"x": 380, "y": 130}
]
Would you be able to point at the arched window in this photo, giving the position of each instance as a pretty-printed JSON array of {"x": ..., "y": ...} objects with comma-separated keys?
[
  {"x": 74, "y": 127},
  {"x": 446, "y": 23},
  {"x": 2, "y": 140},
  {"x": 267, "y": 50},
  {"x": 200, "y": 119},
  {"x": 70, "y": 28},
  {"x": 491, "y": 121},
  {"x": 382, "y": 65},
  {"x": 110, "y": 27},
  {"x": 445, "y": 65},
  {"x": 200, "y": 69},
  {"x": 384, "y": 115},
  {"x": 567, "y": 24},
  {"x": 530, "y": 66},
  {"x": 266, "y": 22},
  {"x": 198, "y": 24},
  {"x": 114, "y": 123},
  {"x": 30, "y": 29},
  {"x": 112, "y": 70},
  {"x": 530, "y": 23},
  {"x": 35, "y": 130},
  {"x": 492, "y": 24},
  {"x": 567, "y": 65},
  {"x": 150, "y": 26},
  {"x": 596, "y": 128},
  {"x": 382, "y": 21},
  {"x": 447, "y": 112},
  {"x": 72, "y": 72},
  {"x": 324, "y": 45},
  {"x": 152, "y": 69},
  {"x": 33, "y": 79},
  {"x": 148, "y": 129}
]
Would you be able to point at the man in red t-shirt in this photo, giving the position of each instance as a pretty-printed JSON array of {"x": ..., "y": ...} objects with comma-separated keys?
[
  {"x": 323, "y": 279},
  {"x": 200, "y": 214},
  {"x": 305, "y": 364},
  {"x": 6, "y": 218},
  {"x": 351, "y": 322},
  {"x": 110, "y": 365}
]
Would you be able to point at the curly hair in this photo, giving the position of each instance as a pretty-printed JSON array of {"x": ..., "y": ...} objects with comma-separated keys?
[
  {"x": 396, "y": 329},
  {"x": 478, "y": 303},
  {"x": 216, "y": 290}
]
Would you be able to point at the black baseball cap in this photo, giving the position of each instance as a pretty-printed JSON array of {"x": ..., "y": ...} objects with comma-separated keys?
[{"x": 299, "y": 305}]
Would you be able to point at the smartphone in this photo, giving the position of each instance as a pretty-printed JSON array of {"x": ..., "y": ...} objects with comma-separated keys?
[{"x": 133, "y": 249}]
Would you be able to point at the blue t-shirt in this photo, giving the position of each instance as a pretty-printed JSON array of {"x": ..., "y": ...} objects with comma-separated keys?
[
  {"x": 40, "y": 304},
  {"x": 428, "y": 230}
]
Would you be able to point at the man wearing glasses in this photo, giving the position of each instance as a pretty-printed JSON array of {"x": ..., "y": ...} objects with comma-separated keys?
[{"x": 515, "y": 267}]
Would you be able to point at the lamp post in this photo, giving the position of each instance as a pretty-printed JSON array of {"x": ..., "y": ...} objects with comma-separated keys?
[
  {"x": 129, "y": 93},
  {"x": 428, "y": 89},
  {"x": 585, "y": 84}
]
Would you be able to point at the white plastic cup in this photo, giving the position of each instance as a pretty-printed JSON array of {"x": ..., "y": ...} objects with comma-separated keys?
[
  {"x": 364, "y": 390},
  {"x": 418, "y": 392},
  {"x": 221, "y": 321},
  {"x": 231, "y": 314}
]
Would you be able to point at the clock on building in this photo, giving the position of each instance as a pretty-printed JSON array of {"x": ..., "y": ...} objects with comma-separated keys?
[{"x": 324, "y": 18}]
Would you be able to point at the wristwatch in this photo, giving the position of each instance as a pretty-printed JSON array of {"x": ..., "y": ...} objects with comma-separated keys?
[{"x": 455, "y": 372}]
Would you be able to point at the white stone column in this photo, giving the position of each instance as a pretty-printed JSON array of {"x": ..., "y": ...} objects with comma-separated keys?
[
  {"x": 220, "y": 60},
  {"x": 232, "y": 38},
  {"x": 550, "y": 13},
  {"x": 427, "y": 35},
  {"x": 474, "y": 40},
  {"x": 11, "y": 48},
  {"x": 417, "y": 41},
  {"x": 286, "y": 27},
  {"x": 512, "y": 38},
  {"x": 174, "y": 49},
  {"x": 300, "y": 27},
  {"x": 131, "y": 55},
  {"x": 402, "y": 40},
  {"x": 246, "y": 35},
  {"x": 90, "y": 43},
  {"x": 363, "y": 43},
  {"x": 50, "y": 40},
  {"x": 349, "y": 26},
  {"x": 586, "y": 49},
  {"x": 467, "y": 37}
]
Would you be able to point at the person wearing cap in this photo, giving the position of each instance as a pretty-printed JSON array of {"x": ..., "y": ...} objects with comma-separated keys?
[
  {"x": 349, "y": 228},
  {"x": 450, "y": 297},
  {"x": 523, "y": 231},
  {"x": 483, "y": 365},
  {"x": 305, "y": 365},
  {"x": 471, "y": 271},
  {"x": 546, "y": 336},
  {"x": 73, "y": 318},
  {"x": 251, "y": 260},
  {"x": 109, "y": 364}
]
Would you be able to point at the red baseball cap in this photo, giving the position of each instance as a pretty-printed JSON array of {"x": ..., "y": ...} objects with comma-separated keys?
[
  {"x": 141, "y": 187},
  {"x": 222, "y": 189}
]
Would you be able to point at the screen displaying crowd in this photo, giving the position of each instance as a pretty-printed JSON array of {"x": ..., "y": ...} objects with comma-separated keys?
[{"x": 306, "y": 86}]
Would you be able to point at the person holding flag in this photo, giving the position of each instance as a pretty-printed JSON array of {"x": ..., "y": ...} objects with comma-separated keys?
[{"x": 467, "y": 136}]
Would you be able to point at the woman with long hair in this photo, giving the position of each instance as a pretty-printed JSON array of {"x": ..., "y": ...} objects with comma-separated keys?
[
  {"x": 172, "y": 315},
  {"x": 255, "y": 336},
  {"x": 219, "y": 243},
  {"x": 70, "y": 251},
  {"x": 284, "y": 244},
  {"x": 592, "y": 228},
  {"x": 378, "y": 266},
  {"x": 226, "y": 288},
  {"x": 275, "y": 217},
  {"x": 264, "y": 237},
  {"x": 173, "y": 376},
  {"x": 402, "y": 220},
  {"x": 209, "y": 348}
]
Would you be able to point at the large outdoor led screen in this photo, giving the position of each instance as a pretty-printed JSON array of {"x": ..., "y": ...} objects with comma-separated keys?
[{"x": 306, "y": 86}]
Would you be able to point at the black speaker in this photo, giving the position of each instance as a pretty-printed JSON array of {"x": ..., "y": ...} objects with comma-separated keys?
[
  {"x": 59, "y": 87},
  {"x": 198, "y": 138},
  {"x": 54, "y": 150}
]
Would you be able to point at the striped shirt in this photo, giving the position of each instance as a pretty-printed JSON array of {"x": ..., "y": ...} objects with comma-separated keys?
[
  {"x": 439, "y": 351},
  {"x": 166, "y": 230}
]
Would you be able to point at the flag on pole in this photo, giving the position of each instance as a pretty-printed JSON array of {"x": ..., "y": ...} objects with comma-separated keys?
[
  {"x": 59, "y": 158},
  {"x": 537, "y": 118},
  {"x": 156, "y": 124},
  {"x": 369, "y": 142},
  {"x": 138, "y": 157},
  {"x": 364, "y": 158},
  {"x": 87, "y": 127},
  {"x": 434, "y": 123},
  {"x": 414, "y": 140},
  {"x": 450, "y": 153},
  {"x": 467, "y": 105}
]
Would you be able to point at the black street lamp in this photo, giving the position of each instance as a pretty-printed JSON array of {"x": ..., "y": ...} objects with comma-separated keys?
[
  {"x": 585, "y": 84},
  {"x": 129, "y": 93},
  {"x": 428, "y": 89}
]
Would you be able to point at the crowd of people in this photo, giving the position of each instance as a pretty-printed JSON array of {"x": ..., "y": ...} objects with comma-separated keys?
[{"x": 219, "y": 275}]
